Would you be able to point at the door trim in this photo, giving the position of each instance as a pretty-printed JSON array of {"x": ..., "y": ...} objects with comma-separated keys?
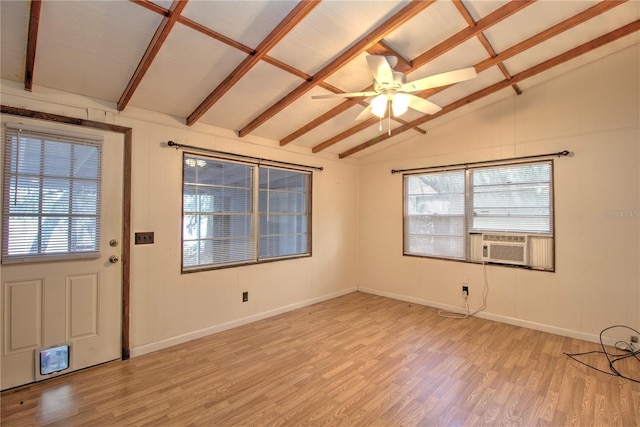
[{"x": 126, "y": 202}]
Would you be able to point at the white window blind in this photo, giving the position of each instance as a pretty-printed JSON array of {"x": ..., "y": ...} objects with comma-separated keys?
[
  {"x": 435, "y": 214},
  {"x": 51, "y": 197},
  {"x": 221, "y": 225},
  {"x": 514, "y": 198},
  {"x": 284, "y": 210},
  {"x": 218, "y": 226}
]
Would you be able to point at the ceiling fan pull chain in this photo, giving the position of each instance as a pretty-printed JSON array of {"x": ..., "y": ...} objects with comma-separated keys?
[{"x": 389, "y": 120}]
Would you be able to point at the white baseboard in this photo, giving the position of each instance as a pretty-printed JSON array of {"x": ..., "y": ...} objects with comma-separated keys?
[
  {"x": 495, "y": 317},
  {"x": 169, "y": 342}
]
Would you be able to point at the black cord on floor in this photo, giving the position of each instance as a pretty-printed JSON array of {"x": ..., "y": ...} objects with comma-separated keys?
[{"x": 611, "y": 358}]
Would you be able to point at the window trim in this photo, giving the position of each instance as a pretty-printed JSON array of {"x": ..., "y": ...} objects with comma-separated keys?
[
  {"x": 468, "y": 211},
  {"x": 255, "y": 214}
]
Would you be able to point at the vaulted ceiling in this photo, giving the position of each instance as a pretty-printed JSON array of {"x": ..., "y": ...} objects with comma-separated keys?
[{"x": 253, "y": 66}]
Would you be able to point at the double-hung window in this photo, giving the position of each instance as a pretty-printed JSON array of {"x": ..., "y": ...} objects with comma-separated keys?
[
  {"x": 238, "y": 213},
  {"x": 466, "y": 214},
  {"x": 51, "y": 196}
]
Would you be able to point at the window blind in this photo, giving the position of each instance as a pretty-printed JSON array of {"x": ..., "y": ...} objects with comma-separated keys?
[
  {"x": 513, "y": 198},
  {"x": 218, "y": 226},
  {"x": 51, "y": 197},
  {"x": 435, "y": 214},
  {"x": 284, "y": 210}
]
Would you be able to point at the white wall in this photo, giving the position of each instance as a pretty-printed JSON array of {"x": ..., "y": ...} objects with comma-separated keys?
[
  {"x": 592, "y": 111},
  {"x": 168, "y": 307}
]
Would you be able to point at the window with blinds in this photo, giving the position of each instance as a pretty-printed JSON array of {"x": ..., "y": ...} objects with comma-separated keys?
[
  {"x": 284, "y": 212},
  {"x": 512, "y": 198},
  {"x": 445, "y": 211},
  {"x": 435, "y": 214},
  {"x": 51, "y": 196},
  {"x": 238, "y": 213}
]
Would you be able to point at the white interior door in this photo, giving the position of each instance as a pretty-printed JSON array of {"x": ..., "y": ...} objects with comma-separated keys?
[{"x": 78, "y": 301}]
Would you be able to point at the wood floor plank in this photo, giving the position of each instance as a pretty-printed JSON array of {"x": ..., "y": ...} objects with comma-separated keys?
[{"x": 357, "y": 360}]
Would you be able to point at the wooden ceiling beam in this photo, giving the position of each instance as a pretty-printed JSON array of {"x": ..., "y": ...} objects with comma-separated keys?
[
  {"x": 462, "y": 9},
  {"x": 405, "y": 14},
  {"x": 32, "y": 42},
  {"x": 161, "y": 34},
  {"x": 294, "y": 17},
  {"x": 152, "y": 6},
  {"x": 462, "y": 36},
  {"x": 384, "y": 49},
  {"x": 550, "y": 32},
  {"x": 537, "y": 69},
  {"x": 518, "y": 48},
  {"x": 335, "y": 111},
  {"x": 503, "y": 68},
  {"x": 214, "y": 35}
]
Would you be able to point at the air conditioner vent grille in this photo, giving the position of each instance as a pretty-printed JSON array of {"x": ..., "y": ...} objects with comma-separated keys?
[
  {"x": 507, "y": 253},
  {"x": 504, "y": 238}
]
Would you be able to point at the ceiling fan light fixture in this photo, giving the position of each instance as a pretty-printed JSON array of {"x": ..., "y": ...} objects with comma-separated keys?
[
  {"x": 400, "y": 104},
  {"x": 379, "y": 105}
]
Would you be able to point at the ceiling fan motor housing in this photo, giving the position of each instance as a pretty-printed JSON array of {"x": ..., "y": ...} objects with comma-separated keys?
[{"x": 399, "y": 79}]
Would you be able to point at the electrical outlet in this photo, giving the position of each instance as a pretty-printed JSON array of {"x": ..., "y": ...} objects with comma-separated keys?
[
  {"x": 245, "y": 296},
  {"x": 465, "y": 290},
  {"x": 144, "y": 238},
  {"x": 634, "y": 339}
]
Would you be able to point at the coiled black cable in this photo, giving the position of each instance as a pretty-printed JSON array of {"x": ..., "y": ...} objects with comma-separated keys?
[{"x": 612, "y": 358}]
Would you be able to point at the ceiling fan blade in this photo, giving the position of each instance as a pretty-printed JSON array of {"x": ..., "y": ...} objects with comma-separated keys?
[
  {"x": 364, "y": 114},
  {"x": 380, "y": 68},
  {"x": 422, "y": 105},
  {"x": 344, "y": 95},
  {"x": 438, "y": 80}
]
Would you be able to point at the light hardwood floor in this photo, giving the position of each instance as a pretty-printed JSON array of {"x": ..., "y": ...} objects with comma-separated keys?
[{"x": 355, "y": 360}]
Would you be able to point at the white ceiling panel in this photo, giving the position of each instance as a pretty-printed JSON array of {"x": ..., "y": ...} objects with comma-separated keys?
[
  {"x": 299, "y": 113},
  {"x": 576, "y": 36},
  {"x": 163, "y": 3},
  {"x": 329, "y": 30},
  {"x": 631, "y": 40},
  {"x": 13, "y": 44},
  {"x": 261, "y": 86},
  {"x": 462, "y": 89},
  {"x": 373, "y": 132},
  {"x": 188, "y": 67},
  {"x": 527, "y": 23},
  {"x": 465, "y": 55},
  {"x": 248, "y": 22},
  {"x": 91, "y": 48},
  {"x": 354, "y": 76},
  {"x": 480, "y": 9},
  {"x": 432, "y": 26},
  {"x": 330, "y": 128}
]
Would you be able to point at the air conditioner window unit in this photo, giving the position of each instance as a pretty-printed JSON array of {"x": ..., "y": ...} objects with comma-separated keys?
[{"x": 505, "y": 248}]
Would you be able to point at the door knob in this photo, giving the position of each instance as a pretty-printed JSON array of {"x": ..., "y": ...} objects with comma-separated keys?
[{"x": 113, "y": 259}]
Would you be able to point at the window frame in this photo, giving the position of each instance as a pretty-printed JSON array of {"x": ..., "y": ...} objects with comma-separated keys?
[
  {"x": 13, "y": 130},
  {"x": 469, "y": 231},
  {"x": 255, "y": 214}
]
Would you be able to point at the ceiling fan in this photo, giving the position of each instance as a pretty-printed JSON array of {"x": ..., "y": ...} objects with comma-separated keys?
[{"x": 392, "y": 92}]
